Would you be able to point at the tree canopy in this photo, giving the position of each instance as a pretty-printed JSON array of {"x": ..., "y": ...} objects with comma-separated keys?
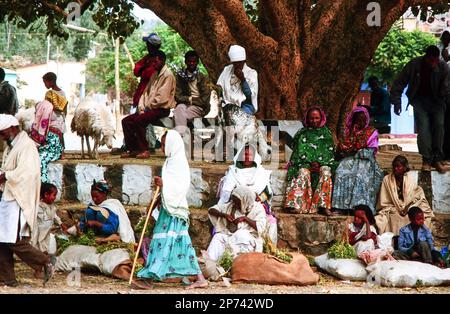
[{"x": 306, "y": 52}]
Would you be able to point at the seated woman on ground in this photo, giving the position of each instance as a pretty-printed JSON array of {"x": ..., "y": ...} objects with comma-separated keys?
[
  {"x": 239, "y": 224},
  {"x": 415, "y": 241},
  {"x": 106, "y": 217},
  {"x": 399, "y": 192},
  {"x": 358, "y": 176},
  {"x": 310, "y": 169},
  {"x": 363, "y": 233},
  {"x": 247, "y": 171}
]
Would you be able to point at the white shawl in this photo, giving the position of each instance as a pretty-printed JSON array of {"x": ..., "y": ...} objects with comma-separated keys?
[
  {"x": 231, "y": 85},
  {"x": 249, "y": 207},
  {"x": 125, "y": 230},
  {"x": 255, "y": 178},
  {"x": 176, "y": 177},
  {"x": 22, "y": 169}
]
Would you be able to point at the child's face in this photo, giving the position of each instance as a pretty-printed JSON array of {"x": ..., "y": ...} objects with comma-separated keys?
[
  {"x": 418, "y": 219},
  {"x": 360, "y": 217},
  {"x": 49, "y": 197}
]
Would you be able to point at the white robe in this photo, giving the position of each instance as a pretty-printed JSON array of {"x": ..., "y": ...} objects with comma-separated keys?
[
  {"x": 22, "y": 170},
  {"x": 245, "y": 239},
  {"x": 231, "y": 85}
]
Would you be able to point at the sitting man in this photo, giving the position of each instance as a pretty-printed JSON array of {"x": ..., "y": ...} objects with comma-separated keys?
[
  {"x": 155, "y": 103},
  {"x": 239, "y": 83},
  {"x": 192, "y": 93},
  {"x": 416, "y": 242},
  {"x": 239, "y": 224}
]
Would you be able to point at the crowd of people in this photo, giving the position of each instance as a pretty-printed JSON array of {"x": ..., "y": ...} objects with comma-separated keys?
[{"x": 324, "y": 175}]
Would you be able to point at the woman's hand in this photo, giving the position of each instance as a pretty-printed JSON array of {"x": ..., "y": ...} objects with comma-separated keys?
[
  {"x": 240, "y": 219},
  {"x": 94, "y": 223},
  {"x": 158, "y": 181}
]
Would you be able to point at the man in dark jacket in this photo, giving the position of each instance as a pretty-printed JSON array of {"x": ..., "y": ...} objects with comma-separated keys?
[
  {"x": 8, "y": 97},
  {"x": 192, "y": 93},
  {"x": 428, "y": 87}
]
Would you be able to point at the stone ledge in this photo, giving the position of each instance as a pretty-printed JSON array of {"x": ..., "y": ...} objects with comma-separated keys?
[{"x": 310, "y": 234}]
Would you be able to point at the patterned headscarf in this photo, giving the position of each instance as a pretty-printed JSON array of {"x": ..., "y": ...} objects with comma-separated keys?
[
  {"x": 102, "y": 186},
  {"x": 323, "y": 117},
  {"x": 349, "y": 121}
]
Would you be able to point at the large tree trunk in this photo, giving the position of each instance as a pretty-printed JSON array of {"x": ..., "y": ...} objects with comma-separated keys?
[{"x": 303, "y": 56}]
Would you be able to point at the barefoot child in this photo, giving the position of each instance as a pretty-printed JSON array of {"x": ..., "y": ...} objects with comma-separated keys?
[{"x": 44, "y": 239}]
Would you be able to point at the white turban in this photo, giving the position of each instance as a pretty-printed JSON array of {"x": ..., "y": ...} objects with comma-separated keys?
[
  {"x": 236, "y": 53},
  {"x": 7, "y": 121}
]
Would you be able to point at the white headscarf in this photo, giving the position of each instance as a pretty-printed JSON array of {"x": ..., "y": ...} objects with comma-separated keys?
[
  {"x": 237, "y": 53},
  {"x": 7, "y": 121},
  {"x": 256, "y": 178},
  {"x": 176, "y": 177}
]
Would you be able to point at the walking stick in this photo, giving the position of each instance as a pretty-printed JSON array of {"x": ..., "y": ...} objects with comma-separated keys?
[{"x": 149, "y": 213}]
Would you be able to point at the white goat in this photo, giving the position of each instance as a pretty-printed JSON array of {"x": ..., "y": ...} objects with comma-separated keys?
[{"x": 92, "y": 118}]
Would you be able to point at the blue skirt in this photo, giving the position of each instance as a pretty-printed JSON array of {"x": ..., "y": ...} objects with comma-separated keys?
[{"x": 171, "y": 253}]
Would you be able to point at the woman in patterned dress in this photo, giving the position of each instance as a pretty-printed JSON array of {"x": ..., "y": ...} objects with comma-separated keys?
[
  {"x": 171, "y": 253},
  {"x": 310, "y": 168}
]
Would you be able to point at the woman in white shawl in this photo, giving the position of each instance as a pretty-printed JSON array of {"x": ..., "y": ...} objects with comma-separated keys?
[
  {"x": 247, "y": 171},
  {"x": 171, "y": 253},
  {"x": 239, "y": 224},
  {"x": 107, "y": 217},
  {"x": 399, "y": 192}
]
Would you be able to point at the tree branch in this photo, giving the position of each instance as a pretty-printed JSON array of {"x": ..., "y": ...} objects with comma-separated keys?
[
  {"x": 54, "y": 8},
  {"x": 243, "y": 30}
]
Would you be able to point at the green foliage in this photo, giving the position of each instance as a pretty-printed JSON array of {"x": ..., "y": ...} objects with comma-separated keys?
[
  {"x": 226, "y": 260},
  {"x": 272, "y": 250},
  {"x": 397, "y": 49},
  {"x": 342, "y": 249},
  {"x": 100, "y": 70},
  {"x": 88, "y": 239}
]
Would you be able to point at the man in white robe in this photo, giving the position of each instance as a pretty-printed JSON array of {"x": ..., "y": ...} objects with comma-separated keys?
[
  {"x": 239, "y": 82},
  {"x": 20, "y": 183},
  {"x": 239, "y": 225}
]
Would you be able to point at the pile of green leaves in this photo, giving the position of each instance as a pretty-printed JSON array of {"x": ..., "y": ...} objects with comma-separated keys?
[
  {"x": 226, "y": 260},
  {"x": 342, "y": 249},
  {"x": 88, "y": 239},
  {"x": 140, "y": 226},
  {"x": 270, "y": 249}
]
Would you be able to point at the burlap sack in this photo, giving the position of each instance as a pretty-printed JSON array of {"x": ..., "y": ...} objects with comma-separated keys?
[{"x": 265, "y": 269}]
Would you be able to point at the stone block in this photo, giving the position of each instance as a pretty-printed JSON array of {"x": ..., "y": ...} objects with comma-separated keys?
[
  {"x": 199, "y": 190},
  {"x": 85, "y": 174},
  {"x": 441, "y": 192},
  {"x": 55, "y": 176},
  {"x": 137, "y": 184}
]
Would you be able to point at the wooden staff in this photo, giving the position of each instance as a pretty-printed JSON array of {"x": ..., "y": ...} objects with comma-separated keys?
[{"x": 149, "y": 211}]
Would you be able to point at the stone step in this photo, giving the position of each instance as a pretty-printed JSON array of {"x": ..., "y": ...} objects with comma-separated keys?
[{"x": 310, "y": 234}]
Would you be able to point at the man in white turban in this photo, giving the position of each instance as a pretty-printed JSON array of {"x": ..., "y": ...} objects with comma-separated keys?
[
  {"x": 239, "y": 82},
  {"x": 20, "y": 182}
]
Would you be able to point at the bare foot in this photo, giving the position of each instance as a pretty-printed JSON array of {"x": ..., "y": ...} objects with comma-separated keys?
[
  {"x": 198, "y": 284},
  {"x": 140, "y": 285}
]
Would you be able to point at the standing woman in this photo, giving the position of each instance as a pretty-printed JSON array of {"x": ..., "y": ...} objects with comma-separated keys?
[
  {"x": 171, "y": 253},
  {"x": 47, "y": 131}
]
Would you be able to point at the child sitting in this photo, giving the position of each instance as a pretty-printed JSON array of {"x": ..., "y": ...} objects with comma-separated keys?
[
  {"x": 44, "y": 239},
  {"x": 415, "y": 241},
  {"x": 363, "y": 234}
]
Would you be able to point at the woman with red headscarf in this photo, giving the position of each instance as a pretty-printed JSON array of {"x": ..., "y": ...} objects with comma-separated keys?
[
  {"x": 358, "y": 176},
  {"x": 312, "y": 161}
]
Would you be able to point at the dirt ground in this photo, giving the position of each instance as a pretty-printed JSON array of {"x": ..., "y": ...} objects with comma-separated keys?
[{"x": 99, "y": 284}]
